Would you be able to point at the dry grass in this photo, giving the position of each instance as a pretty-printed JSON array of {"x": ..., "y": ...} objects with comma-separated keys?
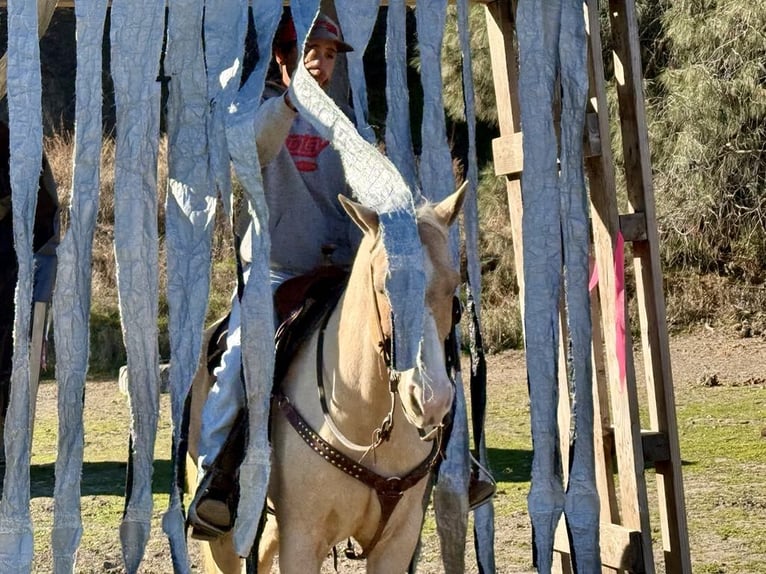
[{"x": 107, "y": 350}]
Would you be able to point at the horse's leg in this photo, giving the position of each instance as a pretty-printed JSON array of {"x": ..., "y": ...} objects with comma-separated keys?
[
  {"x": 394, "y": 551},
  {"x": 300, "y": 554},
  {"x": 224, "y": 556},
  {"x": 269, "y": 545}
]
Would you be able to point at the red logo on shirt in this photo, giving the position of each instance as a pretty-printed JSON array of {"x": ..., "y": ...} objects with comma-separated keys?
[{"x": 304, "y": 150}]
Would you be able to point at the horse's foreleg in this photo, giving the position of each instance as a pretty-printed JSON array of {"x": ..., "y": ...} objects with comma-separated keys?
[
  {"x": 268, "y": 546},
  {"x": 300, "y": 554},
  {"x": 394, "y": 552},
  {"x": 224, "y": 558}
]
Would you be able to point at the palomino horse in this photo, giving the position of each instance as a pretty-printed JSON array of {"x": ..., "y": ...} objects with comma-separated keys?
[{"x": 354, "y": 464}]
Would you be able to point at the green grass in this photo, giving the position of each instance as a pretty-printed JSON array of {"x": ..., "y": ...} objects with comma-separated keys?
[{"x": 723, "y": 453}]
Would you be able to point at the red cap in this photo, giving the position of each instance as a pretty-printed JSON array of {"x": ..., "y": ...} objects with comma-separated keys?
[{"x": 324, "y": 28}]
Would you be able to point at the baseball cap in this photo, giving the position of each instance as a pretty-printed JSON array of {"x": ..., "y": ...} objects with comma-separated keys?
[{"x": 324, "y": 28}]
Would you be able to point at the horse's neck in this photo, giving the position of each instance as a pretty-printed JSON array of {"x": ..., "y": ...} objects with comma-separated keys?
[{"x": 357, "y": 364}]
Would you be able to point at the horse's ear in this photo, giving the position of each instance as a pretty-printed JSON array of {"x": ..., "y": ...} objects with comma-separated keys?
[
  {"x": 448, "y": 208},
  {"x": 364, "y": 217}
]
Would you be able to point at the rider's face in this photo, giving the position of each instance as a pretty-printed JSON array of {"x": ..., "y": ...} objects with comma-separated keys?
[{"x": 319, "y": 59}]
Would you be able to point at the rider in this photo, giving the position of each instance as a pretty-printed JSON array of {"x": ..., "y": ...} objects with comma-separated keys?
[{"x": 302, "y": 176}]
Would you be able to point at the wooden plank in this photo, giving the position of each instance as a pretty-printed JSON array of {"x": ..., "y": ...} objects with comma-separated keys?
[
  {"x": 621, "y": 548},
  {"x": 633, "y": 226},
  {"x": 603, "y": 436},
  {"x": 39, "y": 315},
  {"x": 634, "y": 507},
  {"x": 508, "y": 155},
  {"x": 500, "y": 34},
  {"x": 71, "y": 3},
  {"x": 649, "y": 282}
]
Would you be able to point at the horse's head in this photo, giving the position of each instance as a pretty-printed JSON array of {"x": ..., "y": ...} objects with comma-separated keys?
[{"x": 426, "y": 391}]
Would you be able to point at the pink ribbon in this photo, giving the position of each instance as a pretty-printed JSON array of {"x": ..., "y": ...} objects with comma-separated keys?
[{"x": 619, "y": 301}]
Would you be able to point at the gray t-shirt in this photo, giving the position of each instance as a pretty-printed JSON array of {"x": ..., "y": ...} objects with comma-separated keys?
[{"x": 302, "y": 177}]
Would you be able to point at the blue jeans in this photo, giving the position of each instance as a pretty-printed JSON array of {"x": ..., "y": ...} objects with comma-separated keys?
[{"x": 227, "y": 395}]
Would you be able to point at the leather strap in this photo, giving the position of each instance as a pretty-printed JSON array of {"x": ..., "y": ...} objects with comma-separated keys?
[{"x": 389, "y": 490}]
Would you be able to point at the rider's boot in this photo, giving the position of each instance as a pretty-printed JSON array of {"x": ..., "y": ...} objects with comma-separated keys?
[{"x": 214, "y": 506}]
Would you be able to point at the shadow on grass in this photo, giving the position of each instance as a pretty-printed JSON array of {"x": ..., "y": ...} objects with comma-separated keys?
[
  {"x": 98, "y": 478},
  {"x": 510, "y": 465},
  {"x": 108, "y": 478}
]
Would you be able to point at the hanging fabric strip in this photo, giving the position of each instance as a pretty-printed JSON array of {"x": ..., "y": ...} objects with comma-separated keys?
[
  {"x": 385, "y": 192},
  {"x": 398, "y": 135},
  {"x": 72, "y": 295},
  {"x": 582, "y": 503},
  {"x": 436, "y": 179},
  {"x": 436, "y": 182},
  {"x": 484, "y": 516},
  {"x": 357, "y": 20},
  {"x": 257, "y": 303},
  {"x": 537, "y": 26},
  {"x": 26, "y": 134},
  {"x": 225, "y": 26},
  {"x": 189, "y": 222},
  {"x": 136, "y": 40}
]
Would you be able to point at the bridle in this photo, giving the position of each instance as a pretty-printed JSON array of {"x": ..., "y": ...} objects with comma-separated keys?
[{"x": 389, "y": 490}]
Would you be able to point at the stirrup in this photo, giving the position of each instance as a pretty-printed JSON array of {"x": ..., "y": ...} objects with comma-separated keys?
[
  {"x": 209, "y": 516},
  {"x": 480, "y": 491}
]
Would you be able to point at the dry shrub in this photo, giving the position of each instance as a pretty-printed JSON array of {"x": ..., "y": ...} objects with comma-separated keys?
[
  {"x": 107, "y": 349},
  {"x": 501, "y": 316}
]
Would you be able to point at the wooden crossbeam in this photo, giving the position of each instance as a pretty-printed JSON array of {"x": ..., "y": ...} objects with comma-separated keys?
[{"x": 70, "y": 3}]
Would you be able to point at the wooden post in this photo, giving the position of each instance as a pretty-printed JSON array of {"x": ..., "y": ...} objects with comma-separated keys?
[{"x": 626, "y": 543}]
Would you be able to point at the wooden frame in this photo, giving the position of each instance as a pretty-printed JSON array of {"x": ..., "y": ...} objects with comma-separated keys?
[{"x": 626, "y": 543}]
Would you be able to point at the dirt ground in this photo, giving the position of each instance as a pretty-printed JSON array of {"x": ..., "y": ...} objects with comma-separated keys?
[{"x": 709, "y": 358}]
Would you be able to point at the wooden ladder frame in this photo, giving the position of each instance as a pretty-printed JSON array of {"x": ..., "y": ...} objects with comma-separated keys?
[{"x": 620, "y": 442}]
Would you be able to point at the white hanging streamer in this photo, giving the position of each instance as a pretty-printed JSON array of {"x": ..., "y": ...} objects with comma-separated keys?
[
  {"x": 552, "y": 38},
  {"x": 436, "y": 182},
  {"x": 436, "y": 179},
  {"x": 189, "y": 218},
  {"x": 582, "y": 502},
  {"x": 225, "y": 27},
  {"x": 537, "y": 28},
  {"x": 24, "y": 110},
  {"x": 357, "y": 20},
  {"x": 484, "y": 516},
  {"x": 136, "y": 37},
  {"x": 378, "y": 185},
  {"x": 398, "y": 136},
  {"x": 257, "y": 304},
  {"x": 72, "y": 295}
]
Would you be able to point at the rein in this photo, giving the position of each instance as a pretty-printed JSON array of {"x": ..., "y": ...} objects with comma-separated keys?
[{"x": 383, "y": 432}]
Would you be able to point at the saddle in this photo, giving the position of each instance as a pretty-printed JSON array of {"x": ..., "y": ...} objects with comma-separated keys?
[{"x": 299, "y": 303}]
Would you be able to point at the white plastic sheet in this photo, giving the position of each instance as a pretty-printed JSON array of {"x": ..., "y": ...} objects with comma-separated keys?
[
  {"x": 386, "y": 193},
  {"x": 581, "y": 509},
  {"x": 257, "y": 305},
  {"x": 398, "y": 136},
  {"x": 72, "y": 295},
  {"x": 552, "y": 39},
  {"x": 136, "y": 40},
  {"x": 484, "y": 516},
  {"x": 189, "y": 221},
  {"x": 357, "y": 20},
  {"x": 24, "y": 99}
]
